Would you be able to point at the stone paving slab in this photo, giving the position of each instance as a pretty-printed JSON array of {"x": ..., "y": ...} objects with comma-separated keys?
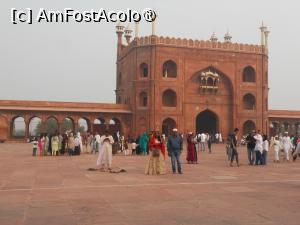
[{"x": 61, "y": 191}]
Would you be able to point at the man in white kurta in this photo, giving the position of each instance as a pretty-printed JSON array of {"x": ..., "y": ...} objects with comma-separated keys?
[{"x": 105, "y": 153}]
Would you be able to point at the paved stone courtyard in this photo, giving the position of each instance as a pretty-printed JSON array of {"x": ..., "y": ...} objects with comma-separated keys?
[{"x": 60, "y": 191}]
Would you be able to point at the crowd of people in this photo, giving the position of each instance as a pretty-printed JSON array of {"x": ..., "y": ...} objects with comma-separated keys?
[
  {"x": 157, "y": 146},
  {"x": 258, "y": 146},
  {"x": 57, "y": 144}
]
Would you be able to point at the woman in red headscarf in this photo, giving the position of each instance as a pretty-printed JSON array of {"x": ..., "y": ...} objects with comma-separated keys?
[{"x": 156, "y": 163}]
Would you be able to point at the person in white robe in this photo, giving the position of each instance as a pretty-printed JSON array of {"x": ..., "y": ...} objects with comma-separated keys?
[
  {"x": 220, "y": 138},
  {"x": 105, "y": 153},
  {"x": 287, "y": 145},
  {"x": 217, "y": 137},
  {"x": 276, "y": 147}
]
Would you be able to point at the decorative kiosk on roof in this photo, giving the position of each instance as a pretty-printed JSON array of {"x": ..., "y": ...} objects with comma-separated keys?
[{"x": 209, "y": 81}]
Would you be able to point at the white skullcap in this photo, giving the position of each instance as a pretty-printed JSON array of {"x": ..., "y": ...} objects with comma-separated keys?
[{"x": 174, "y": 129}]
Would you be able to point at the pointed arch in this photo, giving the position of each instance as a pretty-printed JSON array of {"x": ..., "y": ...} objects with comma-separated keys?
[
  {"x": 169, "y": 69},
  {"x": 167, "y": 125},
  {"x": 18, "y": 127},
  {"x": 207, "y": 121}
]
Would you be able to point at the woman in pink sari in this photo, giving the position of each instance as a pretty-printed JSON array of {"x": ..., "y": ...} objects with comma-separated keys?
[{"x": 41, "y": 144}]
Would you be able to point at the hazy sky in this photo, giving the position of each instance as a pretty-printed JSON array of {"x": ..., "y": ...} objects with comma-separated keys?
[{"x": 76, "y": 61}]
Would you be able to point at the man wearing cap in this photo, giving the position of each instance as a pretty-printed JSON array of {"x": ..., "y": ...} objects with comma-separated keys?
[{"x": 174, "y": 147}]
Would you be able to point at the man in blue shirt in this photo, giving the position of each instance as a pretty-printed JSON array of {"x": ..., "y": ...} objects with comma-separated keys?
[{"x": 174, "y": 150}]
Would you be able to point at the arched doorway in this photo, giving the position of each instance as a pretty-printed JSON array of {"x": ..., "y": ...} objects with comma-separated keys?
[
  {"x": 83, "y": 125},
  {"x": 35, "y": 126},
  {"x": 18, "y": 127},
  {"x": 167, "y": 126},
  {"x": 99, "y": 125},
  {"x": 207, "y": 122},
  {"x": 67, "y": 125},
  {"x": 248, "y": 126},
  {"x": 115, "y": 126},
  {"x": 51, "y": 125}
]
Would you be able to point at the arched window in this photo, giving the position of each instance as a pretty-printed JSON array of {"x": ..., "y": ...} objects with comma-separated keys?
[
  {"x": 248, "y": 126},
  {"x": 170, "y": 69},
  {"x": 248, "y": 74},
  {"x": 210, "y": 82},
  {"x": 144, "y": 70},
  {"x": 19, "y": 127},
  {"x": 35, "y": 126},
  {"x": 249, "y": 102},
  {"x": 169, "y": 98},
  {"x": 143, "y": 99}
]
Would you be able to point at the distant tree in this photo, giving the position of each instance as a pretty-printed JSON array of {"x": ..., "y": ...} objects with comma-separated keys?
[
  {"x": 67, "y": 124},
  {"x": 51, "y": 126},
  {"x": 38, "y": 128}
]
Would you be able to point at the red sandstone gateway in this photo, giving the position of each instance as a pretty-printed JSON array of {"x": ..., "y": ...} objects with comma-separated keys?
[{"x": 162, "y": 83}]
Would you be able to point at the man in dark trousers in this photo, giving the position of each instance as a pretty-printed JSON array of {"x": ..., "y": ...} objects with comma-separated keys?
[
  {"x": 233, "y": 146},
  {"x": 174, "y": 150},
  {"x": 250, "y": 147}
]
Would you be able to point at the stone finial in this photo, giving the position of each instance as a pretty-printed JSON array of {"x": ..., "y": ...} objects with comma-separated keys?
[
  {"x": 213, "y": 37},
  {"x": 263, "y": 28},
  {"x": 227, "y": 37},
  {"x": 119, "y": 28},
  {"x": 266, "y": 37},
  {"x": 136, "y": 29},
  {"x": 128, "y": 33}
]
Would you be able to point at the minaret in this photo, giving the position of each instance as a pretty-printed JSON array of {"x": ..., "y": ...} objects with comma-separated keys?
[
  {"x": 153, "y": 27},
  {"x": 227, "y": 37},
  {"x": 262, "y": 30},
  {"x": 266, "y": 37},
  {"x": 128, "y": 34},
  {"x": 119, "y": 31},
  {"x": 136, "y": 35},
  {"x": 213, "y": 37}
]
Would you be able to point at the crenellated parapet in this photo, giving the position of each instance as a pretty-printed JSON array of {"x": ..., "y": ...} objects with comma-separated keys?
[{"x": 198, "y": 44}]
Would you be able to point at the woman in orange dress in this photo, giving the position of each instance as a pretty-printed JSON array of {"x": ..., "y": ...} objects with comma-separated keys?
[{"x": 156, "y": 162}]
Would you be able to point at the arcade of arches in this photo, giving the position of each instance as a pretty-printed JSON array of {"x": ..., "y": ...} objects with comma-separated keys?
[{"x": 17, "y": 124}]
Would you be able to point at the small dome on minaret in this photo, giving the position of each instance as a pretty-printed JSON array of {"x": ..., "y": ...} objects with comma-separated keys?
[
  {"x": 128, "y": 33},
  {"x": 214, "y": 37},
  {"x": 119, "y": 28},
  {"x": 227, "y": 37},
  {"x": 128, "y": 30}
]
